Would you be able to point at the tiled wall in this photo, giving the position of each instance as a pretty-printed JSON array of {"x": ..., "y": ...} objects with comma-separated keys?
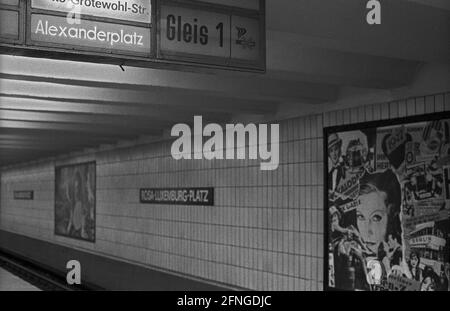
[{"x": 265, "y": 231}]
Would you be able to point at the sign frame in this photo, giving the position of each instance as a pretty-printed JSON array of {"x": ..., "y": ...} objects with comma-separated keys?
[
  {"x": 21, "y": 27},
  {"x": 65, "y": 48},
  {"x": 212, "y": 60},
  {"x": 354, "y": 127}
]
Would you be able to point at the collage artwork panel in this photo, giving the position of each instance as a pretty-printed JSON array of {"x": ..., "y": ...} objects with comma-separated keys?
[
  {"x": 388, "y": 207},
  {"x": 75, "y": 201}
]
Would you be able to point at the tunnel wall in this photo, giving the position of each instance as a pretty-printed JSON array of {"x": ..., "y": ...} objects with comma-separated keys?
[{"x": 265, "y": 231}]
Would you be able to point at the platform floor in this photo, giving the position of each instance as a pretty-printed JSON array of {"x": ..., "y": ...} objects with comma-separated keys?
[{"x": 10, "y": 282}]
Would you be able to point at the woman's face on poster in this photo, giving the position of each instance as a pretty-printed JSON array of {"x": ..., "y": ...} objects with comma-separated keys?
[
  {"x": 414, "y": 261},
  {"x": 372, "y": 219},
  {"x": 427, "y": 285}
]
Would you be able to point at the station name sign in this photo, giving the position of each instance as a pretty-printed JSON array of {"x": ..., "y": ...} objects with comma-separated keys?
[
  {"x": 132, "y": 10},
  {"x": 24, "y": 195},
  {"x": 90, "y": 34},
  {"x": 177, "y": 196},
  {"x": 225, "y": 34}
]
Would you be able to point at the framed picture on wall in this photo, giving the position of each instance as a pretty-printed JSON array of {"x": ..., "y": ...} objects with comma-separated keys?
[
  {"x": 387, "y": 201},
  {"x": 75, "y": 198}
]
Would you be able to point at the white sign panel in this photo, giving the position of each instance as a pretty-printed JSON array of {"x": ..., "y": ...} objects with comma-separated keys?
[
  {"x": 246, "y": 41},
  {"x": 9, "y": 24},
  {"x": 194, "y": 32},
  {"x": 10, "y": 2},
  {"x": 90, "y": 34},
  {"x": 131, "y": 10}
]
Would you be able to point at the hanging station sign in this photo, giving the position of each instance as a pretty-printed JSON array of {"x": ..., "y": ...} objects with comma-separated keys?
[
  {"x": 223, "y": 34},
  {"x": 104, "y": 27}
]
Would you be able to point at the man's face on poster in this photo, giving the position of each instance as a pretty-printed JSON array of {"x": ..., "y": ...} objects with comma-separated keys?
[
  {"x": 372, "y": 219},
  {"x": 335, "y": 153}
]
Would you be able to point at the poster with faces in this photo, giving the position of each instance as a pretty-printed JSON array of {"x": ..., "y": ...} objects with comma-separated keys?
[{"x": 389, "y": 206}]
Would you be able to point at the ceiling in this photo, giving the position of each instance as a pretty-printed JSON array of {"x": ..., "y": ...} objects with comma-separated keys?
[{"x": 314, "y": 49}]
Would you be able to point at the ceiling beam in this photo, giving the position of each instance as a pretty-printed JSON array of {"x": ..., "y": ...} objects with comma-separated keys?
[
  {"x": 229, "y": 84},
  {"x": 26, "y": 134},
  {"x": 13, "y": 154},
  {"x": 57, "y": 144},
  {"x": 126, "y": 110},
  {"x": 84, "y": 119},
  {"x": 14, "y": 146},
  {"x": 162, "y": 99},
  {"x": 87, "y": 129}
]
